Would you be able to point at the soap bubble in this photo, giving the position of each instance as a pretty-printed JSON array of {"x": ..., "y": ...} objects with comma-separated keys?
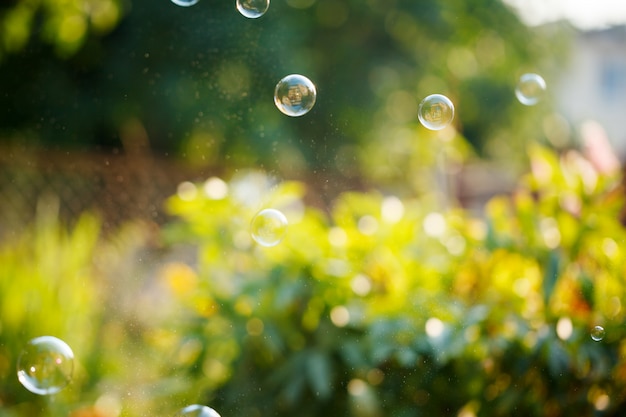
[
  {"x": 268, "y": 227},
  {"x": 597, "y": 333},
  {"x": 45, "y": 365},
  {"x": 530, "y": 89},
  {"x": 295, "y": 95},
  {"x": 436, "y": 112},
  {"x": 196, "y": 410},
  {"x": 184, "y": 3},
  {"x": 253, "y": 9}
]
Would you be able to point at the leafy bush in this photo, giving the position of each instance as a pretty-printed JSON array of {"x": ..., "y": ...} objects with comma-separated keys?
[
  {"x": 396, "y": 307},
  {"x": 61, "y": 281},
  {"x": 45, "y": 289},
  {"x": 378, "y": 306}
]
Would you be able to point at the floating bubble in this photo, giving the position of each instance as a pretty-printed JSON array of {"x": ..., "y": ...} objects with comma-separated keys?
[
  {"x": 530, "y": 89},
  {"x": 253, "y": 9},
  {"x": 597, "y": 333},
  {"x": 436, "y": 112},
  {"x": 268, "y": 227},
  {"x": 196, "y": 410},
  {"x": 45, "y": 365},
  {"x": 184, "y": 3},
  {"x": 295, "y": 95}
]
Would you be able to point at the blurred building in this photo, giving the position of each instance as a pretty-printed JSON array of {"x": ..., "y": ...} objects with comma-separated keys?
[{"x": 593, "y": 84}]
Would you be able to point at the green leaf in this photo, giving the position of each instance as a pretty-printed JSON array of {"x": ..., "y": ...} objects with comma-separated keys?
[
  {"x": 352, "y": 354},
  {"x": 551, "y": 274},
  {"x": 318, "y": 372},
  {"x": 558, "y": 359},
  {"x": 587, "y": 289}
]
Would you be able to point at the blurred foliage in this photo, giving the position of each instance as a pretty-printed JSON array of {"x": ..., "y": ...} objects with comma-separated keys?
[
  {"x": 389, "y": 306},
  {"x": 46, "y": 289},
  {"x": 379, "y": 306},
  {"x": 64, "y": 24},
  {"x": 394, "y": 303},
  {"x": 199, "y": 80},
  {"x": 77, "y": 284}
]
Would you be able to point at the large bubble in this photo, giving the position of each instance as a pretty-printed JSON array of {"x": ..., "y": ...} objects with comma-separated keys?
[
  {"x": 597, "y": 333},
  {"x": 45, "y": 365},
  {"x": 268, "y": 227},
  {"x": 253, "y": 9},
  {"x": 530, "y": 89},
  {"x": 184, "y": 3},
  {"x": 436, "y": 112},
  {"x": 295, "y": 95},
  {"x": 196, "y": 410}
]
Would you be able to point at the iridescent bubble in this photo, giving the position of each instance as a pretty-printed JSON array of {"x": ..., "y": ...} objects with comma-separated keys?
[
  {"x": 295, "y": 95},
  {"x": 45, "y": 365},
  {"x": 253, "y": 9},
  {"x": 184, "y": 3},
  {"x": 530, "y": 89},
  {"x": 196, "y": 410},
  {"x": 436, "y": 112},
  {"x": 597, "y": 333},
  {"x": 268, "y": 227}
]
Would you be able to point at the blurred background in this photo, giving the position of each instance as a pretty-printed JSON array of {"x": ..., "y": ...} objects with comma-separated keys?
[{"x": 138, "y": 137}]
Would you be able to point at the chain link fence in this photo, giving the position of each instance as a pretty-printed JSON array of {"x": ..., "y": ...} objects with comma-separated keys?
[{"x": 119, "y": 187}]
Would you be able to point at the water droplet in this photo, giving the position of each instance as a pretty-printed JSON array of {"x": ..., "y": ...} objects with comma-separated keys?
[
  {"x": 597, "y": 333},
  {"x": 530, "y": 89},
  {"x": 184, "y": 3},
  {"x": 295, "y": 95},
  {"x": 196, "y": 410},
  {"x": 436, "y": 112},
  {"x": 269, "y": 227},
  {"x": 45, "y": 365},
  {"x": 253, "y": 9}
]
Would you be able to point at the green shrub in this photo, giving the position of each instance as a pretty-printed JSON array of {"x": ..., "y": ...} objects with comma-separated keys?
[
  {"x": 396, "y": 307},
  {"x": 68, "y": 282},
  {"x": 46, "y": 288}
]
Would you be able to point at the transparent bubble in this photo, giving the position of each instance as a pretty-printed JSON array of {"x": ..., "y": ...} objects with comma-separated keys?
[
  {"x": 436, "y": 112},
  {"x": 295, "y": 95},
  {"x": 184, "y": 3},
  {"x": 530, "y": 89},
  {"x": 597, "y": 333},
  {"x": 253, "y": 9},
  {"x": 268, "y": 227},
  {"x": 196, "y": 410},
  {"x": 45, "y": 365}
]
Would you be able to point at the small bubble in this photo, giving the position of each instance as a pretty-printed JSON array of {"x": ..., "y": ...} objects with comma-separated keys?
[
  {"x": 597, "y": 333},
  {"x": 45, "y": 365},
  {"x": 268, "y": 227},
  {"x": 253, "y": 9},
  {"x": 530, "y": 89},
  {"x": 184, "y": 3},
  {"x": 436, "y": 112},
  {"x": 196, "y": 410},
  {"x": 295, "y": 95}
]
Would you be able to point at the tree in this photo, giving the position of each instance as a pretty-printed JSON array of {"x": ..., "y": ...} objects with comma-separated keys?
[{"x": 200, "y": 79}]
